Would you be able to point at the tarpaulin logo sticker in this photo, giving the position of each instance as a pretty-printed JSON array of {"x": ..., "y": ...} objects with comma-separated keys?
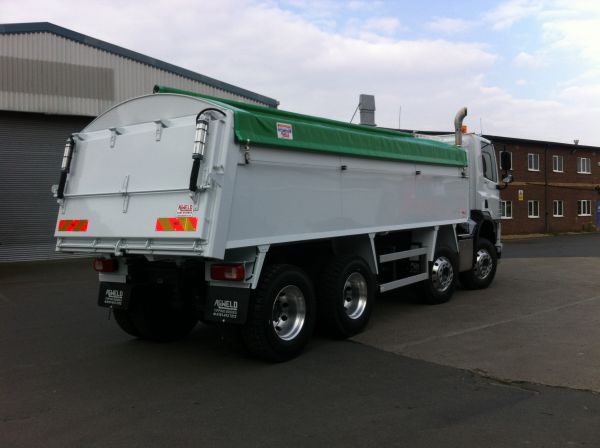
[
  {"x": 73, "y": 225},
  {"x": 285, "y": 131},
  {"x": 176, "y": 224}
]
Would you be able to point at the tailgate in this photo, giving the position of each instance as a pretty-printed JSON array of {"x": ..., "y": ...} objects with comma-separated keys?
[{"x": 128, "y": 188}]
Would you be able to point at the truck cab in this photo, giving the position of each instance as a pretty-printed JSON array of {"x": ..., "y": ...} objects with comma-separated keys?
[{"x": 485, "y": 181}]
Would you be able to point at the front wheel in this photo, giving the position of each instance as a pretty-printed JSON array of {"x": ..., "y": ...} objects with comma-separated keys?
[
  {"x": 484, "y": 267},
  {"x": 281, "y": 318},
  {"x": 440, "y": 285}
]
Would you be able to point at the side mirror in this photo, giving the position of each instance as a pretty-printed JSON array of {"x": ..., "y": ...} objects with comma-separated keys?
[
  {"x": 505, "y": 161},
  {"x": 508, "y": 179}
]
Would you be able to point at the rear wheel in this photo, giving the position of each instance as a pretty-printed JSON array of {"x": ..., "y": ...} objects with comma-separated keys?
[
  {"x": 484, "y": 267},
  {"x": 125, "y": 323},
  {"x": 345, "y": 297},
  {"x": 282, "y": 314},
  {"x": 440, "y": 285},
  {"x": 155, "y": 314}
]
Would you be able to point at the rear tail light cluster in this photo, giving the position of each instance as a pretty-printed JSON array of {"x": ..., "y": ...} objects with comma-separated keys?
[
  {"x": 230, "y": 272},
  {"x": 105, "y": 265}
]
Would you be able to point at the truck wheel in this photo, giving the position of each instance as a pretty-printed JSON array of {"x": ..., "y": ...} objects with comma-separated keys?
[
  {"x": 345, "y": 297},
  {"x": 484, "y": 268},
  {"x": 155, "y": 316},
  {"x": 281, "y": 317},
  {"x": 125, "y": 323},
  {"x": 440, "y": 285}
]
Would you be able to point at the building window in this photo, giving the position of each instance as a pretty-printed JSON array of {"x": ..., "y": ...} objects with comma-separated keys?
[
  {"x": 558, "y": 208},
  {"x": 533, "y": 209},
  {"x": 533, "y": 162},
  {"x": 506, "y": 209},
  {"x": 584, "y": 208},
  {"x": 508, "y": 152},
  {"x": 584, "y": 165},
  {"x": 557, "y": 164}
]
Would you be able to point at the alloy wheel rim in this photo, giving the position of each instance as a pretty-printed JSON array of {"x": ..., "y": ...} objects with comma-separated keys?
[
  {"x": 289, "y": 312},
  {"x": 442, "y": 274},
  {"x": 355, "y": 295},
  {"x": 483, "y": 264}
]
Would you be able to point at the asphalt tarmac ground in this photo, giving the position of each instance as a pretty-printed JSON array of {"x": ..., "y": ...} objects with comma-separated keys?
[{"x": 469, "y": 373}]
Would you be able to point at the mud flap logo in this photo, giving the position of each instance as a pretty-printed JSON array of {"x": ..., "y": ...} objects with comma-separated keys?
[
  {"x": 115, "y": 295},
  {"x": 225, "y": 304},
  {"x": 226, "y": 309}
]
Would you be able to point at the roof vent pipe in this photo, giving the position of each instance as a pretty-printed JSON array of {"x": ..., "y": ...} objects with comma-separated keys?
[
  {"x": 366, "y": 105},
  {"x": 458, "y": 119}
]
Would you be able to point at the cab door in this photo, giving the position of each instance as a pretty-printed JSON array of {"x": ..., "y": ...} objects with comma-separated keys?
[{"x": 489, "y": 199}]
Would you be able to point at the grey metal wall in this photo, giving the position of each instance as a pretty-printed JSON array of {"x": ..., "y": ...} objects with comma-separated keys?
[
  {"x": 43, "y": 72},
  {"x": 31, "y": 147}
]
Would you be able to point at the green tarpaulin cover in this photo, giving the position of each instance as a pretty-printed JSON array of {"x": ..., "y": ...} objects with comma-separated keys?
[{"x": 267, "y": 126}]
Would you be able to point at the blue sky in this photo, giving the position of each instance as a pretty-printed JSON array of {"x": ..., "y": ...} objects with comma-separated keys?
[{"x": 525, "y": 68}]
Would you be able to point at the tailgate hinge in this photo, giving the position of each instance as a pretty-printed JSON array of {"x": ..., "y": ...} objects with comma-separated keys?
[
  {"x": 160, "y": 124},
  {"x": 125, "y": 193},
  {"x": 113, "y": 135}
]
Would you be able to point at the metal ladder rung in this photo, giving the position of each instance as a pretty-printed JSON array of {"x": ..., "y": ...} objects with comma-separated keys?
[
  {"x": 401, "y": 255},
  {"x": 403, "y": 282}
]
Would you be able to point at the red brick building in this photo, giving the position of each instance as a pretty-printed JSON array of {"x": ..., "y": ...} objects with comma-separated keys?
[{"x": 556, "y": 187}]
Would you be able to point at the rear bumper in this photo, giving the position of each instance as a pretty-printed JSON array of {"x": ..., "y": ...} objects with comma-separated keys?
[{"x": 137, "y": 246}]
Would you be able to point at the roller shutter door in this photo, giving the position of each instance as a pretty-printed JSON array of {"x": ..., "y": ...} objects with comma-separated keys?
[{"x": 31, "y": 147}]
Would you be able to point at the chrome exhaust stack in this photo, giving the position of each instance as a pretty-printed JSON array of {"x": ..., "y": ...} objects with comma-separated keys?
[{"x": 458, "y": 120}]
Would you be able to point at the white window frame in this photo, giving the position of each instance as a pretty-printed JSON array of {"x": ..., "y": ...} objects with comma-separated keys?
[
  {"x": 584, "y": 165},
  {"x": 533, "y": 162},
  {"x": 582, "y": 205},
  {"x": 504, "y": 209},
  {"x": 535, "y": 204},
  {"x": 555, "y": 162},
  {"x": 558, "y": 208}
]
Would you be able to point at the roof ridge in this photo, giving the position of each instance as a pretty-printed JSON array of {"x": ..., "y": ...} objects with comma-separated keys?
[{"x": 48, "y": 27}]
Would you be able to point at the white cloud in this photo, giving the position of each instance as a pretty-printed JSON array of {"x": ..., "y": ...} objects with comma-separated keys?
[
  {"x": 521, "y": 82},
  {"x": 449, "y": 25},
  {"x": 582, "y": 36},
  {"x": 510, "y": 12},
  {"x": 528, "y": 60},
  {"x": 382, "y": 25}
]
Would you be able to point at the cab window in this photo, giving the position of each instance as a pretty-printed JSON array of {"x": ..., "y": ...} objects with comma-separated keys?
[{"x": 488, "y": 159}]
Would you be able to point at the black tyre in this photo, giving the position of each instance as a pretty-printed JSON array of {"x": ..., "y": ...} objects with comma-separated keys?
[
  {"x": 281, "y": 317},
  {"x": 443, "y": 274},
  {"x": 125, "y": 323},
  {"x": 155, "y": 315},
  {"x": 484, "y": 267},
  {"x": 346, "y": 294}
]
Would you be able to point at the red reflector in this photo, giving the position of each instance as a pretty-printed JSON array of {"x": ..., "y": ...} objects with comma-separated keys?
[
  {"x": 105, "y": 265},
  {"x": 73, "y": 225},
  {"x": 233, "y": 272}
]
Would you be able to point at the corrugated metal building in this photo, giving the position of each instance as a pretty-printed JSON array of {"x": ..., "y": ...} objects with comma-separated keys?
[{"x": 53, "y": 82}]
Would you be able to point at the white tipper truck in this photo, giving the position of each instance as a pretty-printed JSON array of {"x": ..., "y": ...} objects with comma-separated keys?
[{"x": 200, "y": 208}]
